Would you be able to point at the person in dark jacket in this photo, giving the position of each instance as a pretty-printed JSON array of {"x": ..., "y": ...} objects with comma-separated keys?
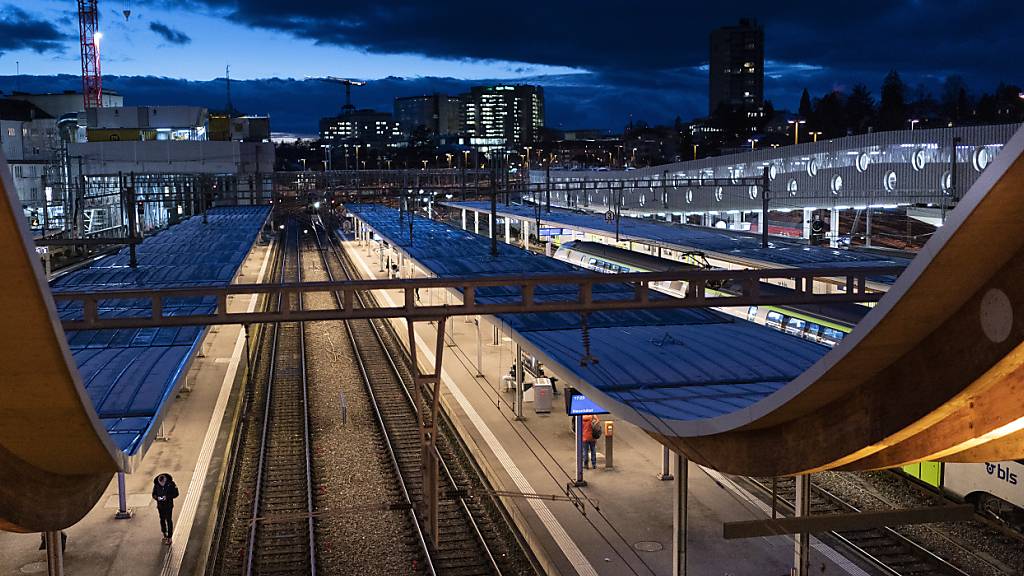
[{"x": 164, "y": 492}]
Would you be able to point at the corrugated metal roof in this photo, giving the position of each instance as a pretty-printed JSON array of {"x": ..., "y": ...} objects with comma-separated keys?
[
  {"x": 727, "y": 242},
  {"x": 679, "y": 364},
  {"x": 130, "y": 373}
]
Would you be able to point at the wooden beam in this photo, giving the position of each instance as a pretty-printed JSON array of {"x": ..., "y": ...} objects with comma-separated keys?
[{"x": 842, "y": 522}]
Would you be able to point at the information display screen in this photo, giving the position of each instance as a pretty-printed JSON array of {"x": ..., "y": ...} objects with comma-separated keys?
[{"x": 576, "y": 404}]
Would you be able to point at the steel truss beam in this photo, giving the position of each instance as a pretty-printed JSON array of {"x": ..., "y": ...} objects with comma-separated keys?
[{"x": 106, "y": 309}]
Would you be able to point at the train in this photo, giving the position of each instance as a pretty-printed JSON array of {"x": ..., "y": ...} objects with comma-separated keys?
[
  {"x": 825, "y": 324},
  {"x": 996, "y": 489}
]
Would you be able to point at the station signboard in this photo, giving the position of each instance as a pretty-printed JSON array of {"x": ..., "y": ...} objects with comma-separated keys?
[
  {"x": 576, "y": 404},
  {"x": 545, "y": 231}
]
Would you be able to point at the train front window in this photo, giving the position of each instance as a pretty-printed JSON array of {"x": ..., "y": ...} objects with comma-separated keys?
[{"x": 774, "y": 319}]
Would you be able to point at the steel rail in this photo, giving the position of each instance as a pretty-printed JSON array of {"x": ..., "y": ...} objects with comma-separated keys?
[
  {"x": 405, "y": 389},
  {"x": 252, "y": 546},
  {"x": 850, "y": 543},
  {"x": 388, "y": 441}
]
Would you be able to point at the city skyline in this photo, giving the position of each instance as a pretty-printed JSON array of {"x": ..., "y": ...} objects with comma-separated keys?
[{"x": 645, "y": 76}]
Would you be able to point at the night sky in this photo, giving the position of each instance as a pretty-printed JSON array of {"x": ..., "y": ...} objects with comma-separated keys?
[{"x": 600, "y": 62}]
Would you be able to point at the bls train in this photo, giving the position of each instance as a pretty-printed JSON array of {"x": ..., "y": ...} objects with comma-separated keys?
[
  {"x": 320, "y": 202},
  {"x": 825, "y": 324},
  {"x": 996, "y": 489}
]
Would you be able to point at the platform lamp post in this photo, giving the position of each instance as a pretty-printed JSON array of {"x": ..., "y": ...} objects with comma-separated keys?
[
  {"x": 815, "y": 134},
  {"x": 796, "y": 129},
  {"x": 494, "y": 216},
  {"x": 465, "y": 161},
  {"x": 765, "y": 184}
]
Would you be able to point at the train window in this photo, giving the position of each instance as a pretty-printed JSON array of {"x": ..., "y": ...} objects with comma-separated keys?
[
  {"x": 795, "y": 326},
  {"x": 593, "y": 261},
  {"x": 774, "y": 319},
  {"x": 832, "y": 334},
  {"x": 751, "y": 313},
  {"x": 812, "y": 332},
  {"x": 623, "y": 269}
]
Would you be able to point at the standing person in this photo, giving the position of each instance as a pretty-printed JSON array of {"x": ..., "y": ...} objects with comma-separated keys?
[
  {"x": 590, "y": 440},
  {"x": 164, "y": 492}
]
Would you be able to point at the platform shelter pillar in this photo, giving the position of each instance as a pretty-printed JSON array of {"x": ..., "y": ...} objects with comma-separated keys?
[
  {"x": 518, "y": 406},
  {"x": 526, "y": 233},
  {"x": 580, "y": 454},
  {"x": 802, "y": 548},
  {"x": 476, "y": 222},
  {"x": 54, "y": 553},
  {"x": 123, "y": 511},
  {"x": 666, "y": 473},
  {"x": 867, "y": 226},
  {"x": 463, "y": 218},
  {"x": 833, "y": 224},
  {"x": 508, "y": 230},
  {"x": 679, "y": 493}
]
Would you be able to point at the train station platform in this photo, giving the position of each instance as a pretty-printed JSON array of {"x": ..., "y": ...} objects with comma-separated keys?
[
  {"x": 624, "y": 523},
  {"x": 189, "y": 444}
]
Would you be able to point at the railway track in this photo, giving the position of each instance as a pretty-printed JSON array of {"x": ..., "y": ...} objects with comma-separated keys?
[
  {"x": 475, "y": 536},
  {"x": 267, "y": 524},
  {"x": 884, "y": 549}
]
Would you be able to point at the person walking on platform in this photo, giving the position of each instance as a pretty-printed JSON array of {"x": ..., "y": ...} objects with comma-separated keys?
[
  {"x": 164, "y": 492},
  {"x": 590, "y": 422}
]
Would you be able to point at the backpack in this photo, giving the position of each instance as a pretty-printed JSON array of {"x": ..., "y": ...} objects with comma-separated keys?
[{"x": 596, "y": 429}]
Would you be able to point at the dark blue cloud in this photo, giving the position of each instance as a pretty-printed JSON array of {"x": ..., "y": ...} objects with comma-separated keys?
[
  {"x": 974, "y": 38},
  {"x": 170, "y": 34},
  {"x": 20, "y": 31}
]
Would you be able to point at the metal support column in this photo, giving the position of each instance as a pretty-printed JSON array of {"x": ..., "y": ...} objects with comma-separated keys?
[
  {"x": 463, "y": 218},
  {"x": 518, "y": 406},
  {"x": 123, "y": 511},
  {"x": 801, "y": 551},
  {"x": 666, "y": 474},
  {"x": 833, "y": 224},
  {"x": 54, "y": 553},
  {"x": 476, "y": 222},
  {"x": 493, "y": 223},
  {"x": 679, "y": 491},
  {"x": 508, "y": 230},
  {"x": 867, "y": 227},
  {"x": 526, "y": 233},
  {"x": 579, "y": 451},
  {"x": 479, "y": 349}
]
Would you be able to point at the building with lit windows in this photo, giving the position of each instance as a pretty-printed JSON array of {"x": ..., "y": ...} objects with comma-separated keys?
[
  {"x": 503, "y": 115},
  {"x": 360, "y": 126},
  {"x": 437, "y": 114},
  {"x": 28, "y": 138},
  {"x": 736, "y": 67}
]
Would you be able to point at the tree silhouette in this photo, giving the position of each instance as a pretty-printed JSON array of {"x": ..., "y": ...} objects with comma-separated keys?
[
  {"x": 860, "y": 110},
  {"x": 892, "y": 111},
  {"x": 805, "y": 109}
]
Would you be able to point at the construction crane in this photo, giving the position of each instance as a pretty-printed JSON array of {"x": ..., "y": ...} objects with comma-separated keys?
[
  {"x": 348, "y": 108},
  {"x": 89, "y": 38}
]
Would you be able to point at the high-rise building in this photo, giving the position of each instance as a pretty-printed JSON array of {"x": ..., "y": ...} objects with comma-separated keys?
[
  {"x": 503, "y": 115},
  {"x": 360, "y": 126},
  {"x": 438, "y": 114},
  {"x": 736, "y": 67}
]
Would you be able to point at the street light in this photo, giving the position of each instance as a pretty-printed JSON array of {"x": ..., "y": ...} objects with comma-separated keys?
[
  {"x": 448, "y": 155},
  {"x": 424, "y": 164},
  {"x": 913, "y": 122},
  {"x": 796, "y": 132},
  {"x": 695, "y": 151},
  {"x": 634, "y": 157},
  {"x": 303, "y": 160},
  {"x": 816, "y": 134},
  {"x": 752, "y": 142},
  {"x": 327, "y": 162},
  {"x": 358, "y": 146}
]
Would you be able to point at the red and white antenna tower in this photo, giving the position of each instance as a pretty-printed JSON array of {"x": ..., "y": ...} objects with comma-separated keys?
[{"x": 92, "y": 81}]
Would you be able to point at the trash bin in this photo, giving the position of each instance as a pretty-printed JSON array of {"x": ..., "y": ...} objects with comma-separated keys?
[{"x": 542, "y": 393}]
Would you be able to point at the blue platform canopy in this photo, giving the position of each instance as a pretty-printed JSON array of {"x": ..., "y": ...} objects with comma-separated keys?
[
  {"x": 681, "y": 364},
  {"x": 130, "y": 373}
]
